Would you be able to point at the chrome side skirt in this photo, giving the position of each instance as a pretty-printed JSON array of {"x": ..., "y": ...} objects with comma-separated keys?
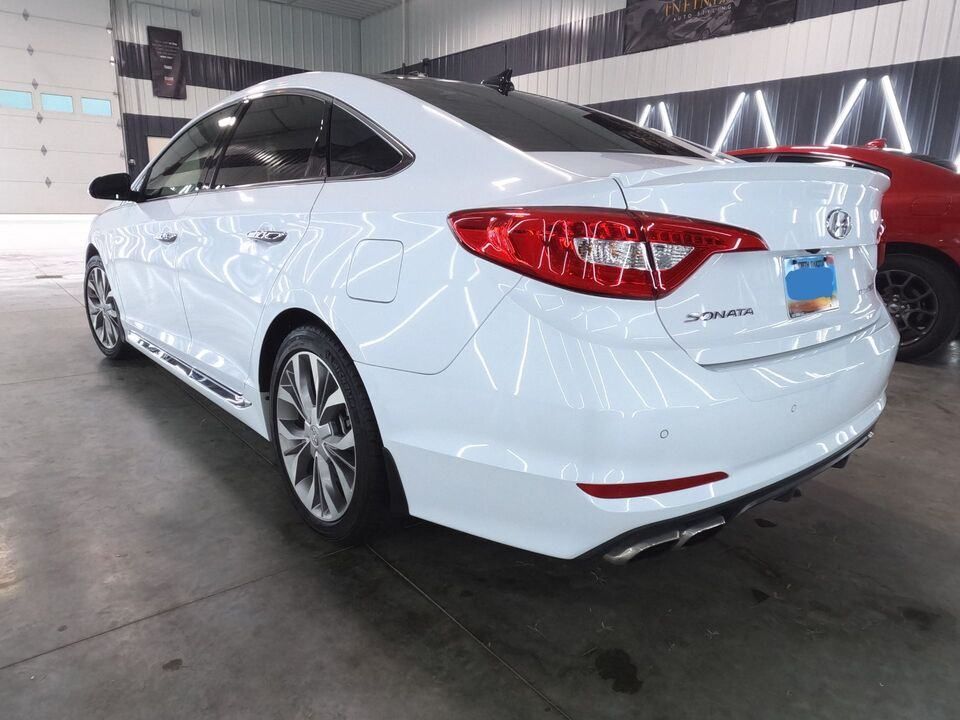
[{"x": 188, "y": 371}]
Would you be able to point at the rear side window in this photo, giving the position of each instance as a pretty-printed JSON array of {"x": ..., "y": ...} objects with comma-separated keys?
[
  {"x": 537, "y": 124},
  {"x": 357, "y": 149},
  {"x": 278, "y": 138},
  {"x": 180, "y": 167}
]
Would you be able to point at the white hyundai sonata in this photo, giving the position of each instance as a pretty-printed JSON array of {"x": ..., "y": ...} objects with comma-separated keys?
[{"x": 524, "y": 319}]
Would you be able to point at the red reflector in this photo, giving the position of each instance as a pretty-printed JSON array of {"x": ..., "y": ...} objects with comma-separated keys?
[
  {"x": 616, "y": 491},
  {"x": 618, "y": 253}
]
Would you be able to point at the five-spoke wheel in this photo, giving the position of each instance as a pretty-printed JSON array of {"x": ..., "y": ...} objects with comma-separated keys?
[{"x": 923, "y": 298}]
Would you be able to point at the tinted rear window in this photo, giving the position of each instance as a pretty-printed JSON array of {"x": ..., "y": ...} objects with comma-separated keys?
[{"x": 533, "y": 123}]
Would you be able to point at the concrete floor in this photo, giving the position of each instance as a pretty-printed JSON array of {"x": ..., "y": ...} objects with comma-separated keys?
[{"x": 150, "y": 566}]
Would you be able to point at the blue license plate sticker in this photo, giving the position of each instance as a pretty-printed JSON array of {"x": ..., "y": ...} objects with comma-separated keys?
[{"x": 811, "y": 284}]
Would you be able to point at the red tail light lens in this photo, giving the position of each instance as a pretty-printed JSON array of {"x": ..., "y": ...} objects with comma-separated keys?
[{"x": 604, "y": 252}]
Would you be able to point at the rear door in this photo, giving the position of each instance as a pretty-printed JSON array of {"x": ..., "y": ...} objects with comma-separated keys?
[
  {"x": 246, "y": 225},
  {"x": 814, "y": 284}
]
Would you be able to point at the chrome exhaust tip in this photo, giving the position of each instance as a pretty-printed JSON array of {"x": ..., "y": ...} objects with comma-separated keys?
[
  {"x": 623, "y": 555},
  {"x": 714, "y": 523},
  {"x": 676, "y": 537}
]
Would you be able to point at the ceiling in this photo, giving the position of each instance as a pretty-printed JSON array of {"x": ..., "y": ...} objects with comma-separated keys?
[{"x": 357, "y": 9}]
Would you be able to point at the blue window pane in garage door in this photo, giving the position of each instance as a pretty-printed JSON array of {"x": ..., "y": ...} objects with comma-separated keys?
[
  {"x": 95, "y": 106},
  {"x": 56, "y": 103},
  {"x": 16, "y": 99}
]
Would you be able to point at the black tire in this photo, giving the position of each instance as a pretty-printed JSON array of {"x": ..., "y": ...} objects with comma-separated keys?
[
  {"x": 922, "y": 333},
  {"x": 366, "y": 507},
  {"x": 119, "y": 349}
]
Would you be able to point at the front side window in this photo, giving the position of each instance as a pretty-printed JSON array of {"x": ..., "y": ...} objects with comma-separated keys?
[
  {"x": 533, "y": 123},
  {"x": 356, "y": 149},
  {"x": 179, "y": 169},
  {"x": 279, "y": 138}
]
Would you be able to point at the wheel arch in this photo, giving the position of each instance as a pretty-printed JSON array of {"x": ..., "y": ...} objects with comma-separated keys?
[
  {"x": 91, "y": 252},
  {"x": 938, "y": 256},
  {"x": 282, "y": 325}
]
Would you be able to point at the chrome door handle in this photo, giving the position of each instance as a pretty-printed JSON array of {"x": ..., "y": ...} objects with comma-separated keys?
[
  {"x": 166, "y": 237},
  {"x": 271, "y": 236}
]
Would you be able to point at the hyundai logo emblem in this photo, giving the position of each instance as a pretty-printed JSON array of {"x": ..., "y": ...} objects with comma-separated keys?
[{"x": 838, "y": 224}]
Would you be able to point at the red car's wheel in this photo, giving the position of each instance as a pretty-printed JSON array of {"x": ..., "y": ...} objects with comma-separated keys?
[{"x": 923, "y": 298}]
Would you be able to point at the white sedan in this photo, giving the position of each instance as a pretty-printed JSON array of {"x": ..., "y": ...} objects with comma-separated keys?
[{"x": 524, "y": 319}]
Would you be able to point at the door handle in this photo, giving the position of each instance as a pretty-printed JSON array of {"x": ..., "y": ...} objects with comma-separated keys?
[
  {"x": 166, "y": 237},
  {"x": 270, "y": 236}
]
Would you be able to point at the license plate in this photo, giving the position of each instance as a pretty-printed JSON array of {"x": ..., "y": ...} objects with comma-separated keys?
[{"x": 811, "y": 284}]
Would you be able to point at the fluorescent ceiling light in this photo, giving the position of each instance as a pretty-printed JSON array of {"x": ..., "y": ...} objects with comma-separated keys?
[
  {"x": 894, "y": 109},
  {"x": 765, "y": 119},
  {"x": 665, "y": 119},
  {"x": 845, "y": 111},
  {"x": 644, "y": 116},
  {"x": 728, "y": 123}
]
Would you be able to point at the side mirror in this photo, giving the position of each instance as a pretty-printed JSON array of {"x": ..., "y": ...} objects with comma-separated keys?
[{"x": 113, "y": 187}]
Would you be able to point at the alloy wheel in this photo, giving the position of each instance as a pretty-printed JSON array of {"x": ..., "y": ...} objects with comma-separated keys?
[
  {"x": 911, "y": 301},
  {"x": 315, "y": 433},
  {"x": 102, "y": 309}
]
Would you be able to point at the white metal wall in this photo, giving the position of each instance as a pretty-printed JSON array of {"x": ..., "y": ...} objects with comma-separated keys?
[
  {"x": 258, "y": 30},
  {"x": 63, "y": 46},
  {"x": 441, "y": 27},
  {"x": 870, "y": 37}
]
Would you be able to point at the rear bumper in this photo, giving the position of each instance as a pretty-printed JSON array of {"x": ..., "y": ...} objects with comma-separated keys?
[
  {"x": 678, "y": 531},
  {"x": 557, "y": 388}
]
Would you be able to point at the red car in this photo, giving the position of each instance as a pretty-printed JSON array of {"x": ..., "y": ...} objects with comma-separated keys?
[{"x": 919, "y": 278}]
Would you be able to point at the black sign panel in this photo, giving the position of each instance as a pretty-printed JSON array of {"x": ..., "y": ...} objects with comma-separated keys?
[
  {"x": 650, "y": 24},
  {"x": 166, "y": 62}
]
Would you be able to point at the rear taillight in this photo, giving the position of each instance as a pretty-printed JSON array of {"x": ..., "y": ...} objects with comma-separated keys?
[{"x": 604, "y": 252}]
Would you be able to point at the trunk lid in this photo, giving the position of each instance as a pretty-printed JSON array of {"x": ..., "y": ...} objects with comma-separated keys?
[{"x": 735, "y": 307}]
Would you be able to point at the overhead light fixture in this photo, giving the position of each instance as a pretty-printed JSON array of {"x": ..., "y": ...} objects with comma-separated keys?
[
  {"x": 644, "y": 116},
  {"x": 765, "y": 119},
  {"x": 728, "y": 123},
  {"x": 845, "y": 111},
  {"x": 665, "y": 119},
  {"x": 894, "y": 109}
]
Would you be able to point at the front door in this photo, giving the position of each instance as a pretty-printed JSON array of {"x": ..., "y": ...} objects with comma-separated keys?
[{"x": 148, "y": 244}]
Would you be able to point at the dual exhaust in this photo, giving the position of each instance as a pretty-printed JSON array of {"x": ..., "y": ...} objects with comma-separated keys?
[
  {"x": 681, "y": 534},
  {"x": 676, "y": 538}
]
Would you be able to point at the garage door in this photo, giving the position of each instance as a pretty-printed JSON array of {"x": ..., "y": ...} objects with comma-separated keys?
[{"x": 58, "y": 106}]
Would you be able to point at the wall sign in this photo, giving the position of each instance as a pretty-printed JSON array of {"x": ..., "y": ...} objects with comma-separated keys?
[
  {"x": 166, "y": 62},
  {"x": 650, "y": 24}
]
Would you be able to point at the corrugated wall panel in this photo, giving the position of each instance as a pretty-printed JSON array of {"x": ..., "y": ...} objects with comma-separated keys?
[
  {"x": 230, "y": 44},
  {"x": 442, "y": 27}
]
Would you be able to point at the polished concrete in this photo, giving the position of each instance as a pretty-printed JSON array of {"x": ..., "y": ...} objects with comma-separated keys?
[{"x": 151, "y": 567}]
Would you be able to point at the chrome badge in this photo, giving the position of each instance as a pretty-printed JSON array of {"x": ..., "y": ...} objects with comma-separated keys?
[{"x": 838, "y": 224}]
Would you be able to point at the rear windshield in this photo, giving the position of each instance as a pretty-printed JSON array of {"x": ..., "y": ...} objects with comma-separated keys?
[{"x": 533, "y": 123}]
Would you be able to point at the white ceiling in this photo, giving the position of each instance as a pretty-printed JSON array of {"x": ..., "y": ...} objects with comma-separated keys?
[{"x": 357, "y": 9}]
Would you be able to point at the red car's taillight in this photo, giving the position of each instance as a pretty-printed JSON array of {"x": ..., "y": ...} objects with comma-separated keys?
[{"x": 604, "y": 252}]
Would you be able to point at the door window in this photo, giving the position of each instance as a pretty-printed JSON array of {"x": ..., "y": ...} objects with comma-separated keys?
[
  {"x": 356, "y": 149},
  {"x": 180, "y": 167},
  {"x": 279, "y": 138}
]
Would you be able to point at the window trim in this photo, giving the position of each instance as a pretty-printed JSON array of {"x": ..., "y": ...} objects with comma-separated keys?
[{"x": 407, "y": 155}]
